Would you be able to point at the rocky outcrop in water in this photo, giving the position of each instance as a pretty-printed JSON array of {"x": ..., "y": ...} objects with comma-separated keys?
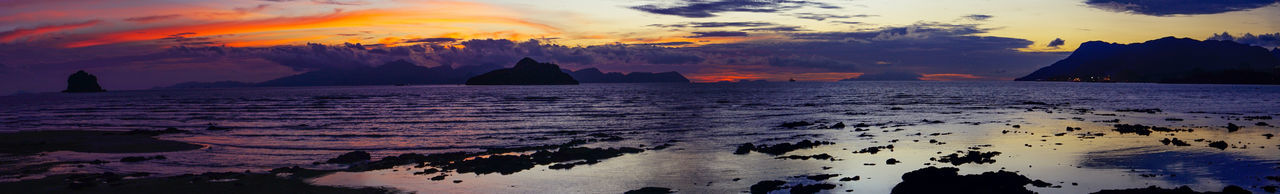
[
  {"x": 81, "y": 81},
  {"x": 593, "y": 75},
  {"x": 526, "y": 72},
  {"x": 1165, "y": 60}
]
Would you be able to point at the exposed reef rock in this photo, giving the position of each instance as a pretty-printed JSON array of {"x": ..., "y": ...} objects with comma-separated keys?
[
  {"x": 1180, "y": 190},
  {"x": 946, "y": 180},
  {"x": 82, "y": 82}
]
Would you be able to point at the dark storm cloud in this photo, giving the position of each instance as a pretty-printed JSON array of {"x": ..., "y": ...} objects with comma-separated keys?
[
  {"x": 813, "y": 61},
  {"x": 728, "y": 24},
  {"x": 717, "y": 34},
  {"x": 713, "y": 24},
  {"x": 674, "y": 58},
  {"x": 152, "y": 18},
  {"x": 681, "y": 43},
  {"x": 821, "y": 17},
  {"x": 431, "y": 40},
  {"x": 1178, "y": 7},
  {"x": 1263, "y": 40},
  {"x": 777, "y": 29},
  {"x": 709, "y": 8},
  {"x": 978, "y": 17},
  {"x": 1057, "y": 42},
  {"x": 923, "y": 48},
  {"x": 911, "y": 31},
  {"x": 888, "y": 76}
]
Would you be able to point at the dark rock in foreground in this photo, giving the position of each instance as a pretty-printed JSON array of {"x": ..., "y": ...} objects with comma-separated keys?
[
  {"x": 779, "y": 149},
  {"x": 946, "y": 180},
  {"x": 766, "y": 186},
  {"x": 1165, "y": 60},
  {"x": 650, "y": 190},
  {"x": 526, "y": 72},
  {"x": 593, "y": 75},
  {"x": 82, "y": 82},
  {"x": 975, "y": 157},
  {"x": 1180, "y": 190},
  {"x": 350, "y": 157},
  {"x": 211, "y": 183}
]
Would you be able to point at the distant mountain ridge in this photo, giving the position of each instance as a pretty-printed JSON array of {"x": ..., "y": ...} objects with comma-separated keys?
[
  {"x": 392, "y": 73},
  {"x": 594, "y": 75},
  {"x": 1166, "y": 60},
  {"x": 406, "y": 73}
]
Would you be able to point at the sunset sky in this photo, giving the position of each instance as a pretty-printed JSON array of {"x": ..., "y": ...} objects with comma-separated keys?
[{"x": 139, "y": 44}]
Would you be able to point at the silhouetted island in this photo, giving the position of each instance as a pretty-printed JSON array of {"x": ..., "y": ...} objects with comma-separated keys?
[
  {"x": 526, "y": 72},
  {"x": 593, "y": 75},
  {"x": 1165, "y": 60},
  {"x": 81, "y": 82}
]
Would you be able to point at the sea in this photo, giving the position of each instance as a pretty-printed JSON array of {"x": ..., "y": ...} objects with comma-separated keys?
[{"x": 257, "y": 129}]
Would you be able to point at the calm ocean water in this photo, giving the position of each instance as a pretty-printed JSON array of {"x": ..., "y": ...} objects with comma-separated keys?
[{"x": 276, "y": 127}]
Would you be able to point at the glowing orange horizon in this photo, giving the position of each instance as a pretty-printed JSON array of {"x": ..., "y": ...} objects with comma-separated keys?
[{"x": 332, "y": 20}]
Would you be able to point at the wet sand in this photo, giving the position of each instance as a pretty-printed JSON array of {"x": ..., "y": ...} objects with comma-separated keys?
[{"x": 31, "y": 142}]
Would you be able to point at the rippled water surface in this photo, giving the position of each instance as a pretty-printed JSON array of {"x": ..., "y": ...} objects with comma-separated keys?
[{"x": 277, "y": 127}]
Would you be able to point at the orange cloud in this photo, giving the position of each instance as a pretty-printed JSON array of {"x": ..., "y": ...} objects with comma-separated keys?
[
  {"x": 742, "y": 75},
  {"x": 11, "y": 36},
  {"x": 362, "y": 18}
]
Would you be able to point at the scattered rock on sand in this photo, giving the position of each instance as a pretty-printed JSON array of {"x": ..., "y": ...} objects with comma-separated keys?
[
  {"x": 892, "y": 161},
  {"x": 821, "y": 177},
  {"x": 779, "y": 149},
  {"x": 1135, "y": 129},
  {"x": 350, "y": 157},
  {"x": 1174, "y": 141},
  {"x": 975, "y": 157},
  {"x": 764, "y": 187},
  {"x": 1221, "y": 145},
  {"x": 814, "y": 188},
  {"x": 874, "y": 150},
  {"x": 508, "y": 164},
  {"x": 795, "y": 124},
  {"x": 822, "y": 156},
  {"x": 1232, "y": 127}
]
